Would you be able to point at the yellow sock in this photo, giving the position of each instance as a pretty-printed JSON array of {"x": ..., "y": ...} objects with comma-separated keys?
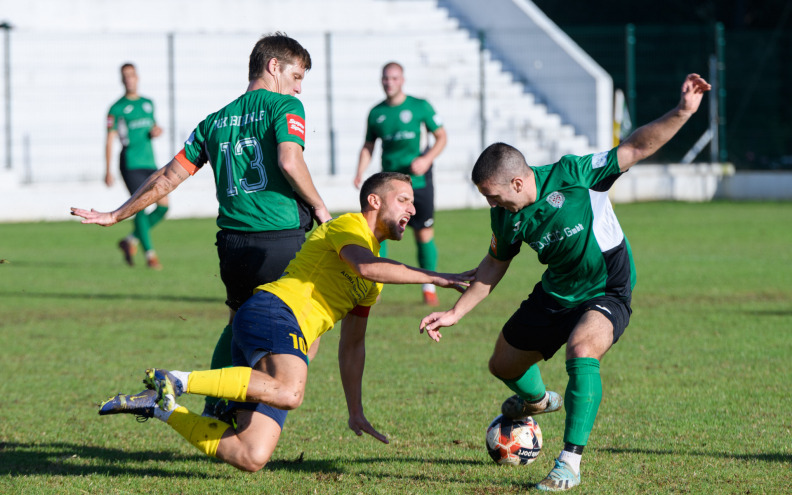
[
  {"x": 225, "y": 383},
  {"x": 204, "y": 433}
]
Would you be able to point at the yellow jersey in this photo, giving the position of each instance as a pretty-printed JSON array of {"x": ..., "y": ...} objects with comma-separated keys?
[{"x": 318, "y": 286}]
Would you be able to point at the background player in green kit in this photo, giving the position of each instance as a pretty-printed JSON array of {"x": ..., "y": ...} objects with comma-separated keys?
[
  {"x": 562, "y": 212},
  {"x": 265, "y": 192},
  {"x": 399, "y": 122},
  {"x": 131, "y": 118}
]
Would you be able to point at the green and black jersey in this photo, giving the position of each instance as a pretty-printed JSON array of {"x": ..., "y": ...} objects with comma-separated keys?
[
  {"x": 573, "y": 229},
  {"x": 241, "y": 143},
  {"x": 399, "y": 128},
  {"x": 133, "y": 120}
]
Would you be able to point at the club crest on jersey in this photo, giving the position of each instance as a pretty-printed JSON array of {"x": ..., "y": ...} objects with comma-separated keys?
[
  {"x": 405, "y": 116},
  {"x": 556, "y": 199},
  {"x": 296, "y": 125},
  {"x": 147, "y": 107}
]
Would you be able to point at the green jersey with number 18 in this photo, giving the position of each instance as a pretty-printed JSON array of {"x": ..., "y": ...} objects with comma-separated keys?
[
  {"x": 241, "y": 143},
  {"x": 573, "y": 229}
]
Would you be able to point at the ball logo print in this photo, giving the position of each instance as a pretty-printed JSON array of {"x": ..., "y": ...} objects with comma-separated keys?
[{"x": 514, "y": 442}]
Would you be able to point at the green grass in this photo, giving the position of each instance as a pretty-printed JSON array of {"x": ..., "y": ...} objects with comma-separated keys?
[{"x": 697, "y": 395}]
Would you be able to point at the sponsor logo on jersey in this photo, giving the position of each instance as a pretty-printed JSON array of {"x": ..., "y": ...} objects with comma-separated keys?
[
  {"x": 556, "y": 199},
  {"x": 599, "y": 160},
  {"x": 381, "y": 119},
  {"x": 405, "y": 116},
  {"x": 296, "y": 125},
  {"x": 549, "y": 238},
  {"x": 190, "y": 139}
]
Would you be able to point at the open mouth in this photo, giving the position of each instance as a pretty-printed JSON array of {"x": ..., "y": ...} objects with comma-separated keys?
[{"x": 403, "y": 222}]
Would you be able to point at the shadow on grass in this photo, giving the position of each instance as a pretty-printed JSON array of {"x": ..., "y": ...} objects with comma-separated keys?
[
  {"x": 122, "y": 296},
  {"x": 768, "y": 457},
  {"x": 67, "y": 459}
]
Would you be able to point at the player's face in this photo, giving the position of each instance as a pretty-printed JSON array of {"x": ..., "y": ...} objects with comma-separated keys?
[
  {"x": 130, "y": 79},
  {"x": 392, "y": 81},
  {"x": 397, "y": 209},
  {"x": 290, "y": 78},
  {"x": 503, "y": 195}
]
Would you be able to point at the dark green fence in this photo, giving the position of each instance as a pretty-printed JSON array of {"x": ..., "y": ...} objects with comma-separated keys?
[{"x": 757, "y": 99}]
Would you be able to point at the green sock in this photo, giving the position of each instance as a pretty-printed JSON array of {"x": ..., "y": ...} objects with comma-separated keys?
[
  {"x": 582, "y": 399},
  {"x": 221, "y": 357},
  {"x": 142, "y": 230},
  {"x": 157, "y": 215},
  {"x": 529, "y": 386},
  {"x": 383, "y": 249},
  {"x": 427, "y": 255}
]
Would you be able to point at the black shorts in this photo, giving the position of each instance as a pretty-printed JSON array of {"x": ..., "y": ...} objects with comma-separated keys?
[
  {"x": 136, "y": 177},
  {"x": 249, "y": 259},
  {"x": 424, "y": 205},
  {"x": 543, "y": 325}
]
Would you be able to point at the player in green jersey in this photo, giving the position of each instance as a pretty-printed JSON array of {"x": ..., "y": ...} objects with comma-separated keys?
[
  {"x": 131, "y": 119},
  {"x": 399, "y": 121},
  {"x": 562, "y": 212},
  {"x": 266, "y": 196}
]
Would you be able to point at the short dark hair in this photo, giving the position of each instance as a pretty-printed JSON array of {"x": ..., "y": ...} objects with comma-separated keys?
[
  {"x": 126, "y": 65},
  {"x": 498, "y": 160},
  {"x": 280, "y": 47},
  {"x": 379, "y": 184}
]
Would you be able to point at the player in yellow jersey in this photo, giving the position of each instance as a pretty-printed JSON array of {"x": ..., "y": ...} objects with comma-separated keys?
[{"x": 337, "y": 275}]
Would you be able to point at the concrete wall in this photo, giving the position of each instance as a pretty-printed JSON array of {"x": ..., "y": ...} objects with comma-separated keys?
[{"x": 195, "y": 198}]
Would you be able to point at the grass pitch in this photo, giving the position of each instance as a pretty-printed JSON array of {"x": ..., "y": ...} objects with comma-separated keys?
[{"x": 697, "y": 394}]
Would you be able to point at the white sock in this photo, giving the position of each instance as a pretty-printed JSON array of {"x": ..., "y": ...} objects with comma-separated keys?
[
  {"x": 132, "y": 239},
  {"x": 162, "y": 415},
  {"x": 150, "y": 254},
  {"x": 182, "y": 377},
  {"x": 428, "y": 288},
  {"x": 571, "y": 459}
]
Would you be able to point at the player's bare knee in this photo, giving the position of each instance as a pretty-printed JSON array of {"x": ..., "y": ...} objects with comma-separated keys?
[
  {"x": 496, "y": 367},
  {"x": 253, "y": 460}
]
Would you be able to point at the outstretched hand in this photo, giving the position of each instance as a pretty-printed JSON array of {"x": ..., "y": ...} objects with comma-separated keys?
[
  {"x": 693, "y": 90},
  {"x": 359, "y": 424},
  {"x": 457, "y": 281},
  {"x": 435, "y": 321},
  {"x": 105, "y": 219}
]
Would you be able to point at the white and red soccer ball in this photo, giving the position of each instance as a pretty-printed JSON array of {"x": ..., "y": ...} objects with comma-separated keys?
[{"x": 514, "y": 442}]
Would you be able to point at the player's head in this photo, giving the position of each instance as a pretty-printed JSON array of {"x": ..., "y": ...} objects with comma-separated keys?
[
  {"x": 129, "y": 77},
  {"x": 390, "y": 196},
  {"x": 392, "y": 79},
  {"x": 282, "y": 58},
  {"x": 500, "y": 174}
]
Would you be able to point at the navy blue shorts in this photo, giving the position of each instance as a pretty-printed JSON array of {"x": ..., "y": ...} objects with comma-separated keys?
[
  {"x": 265, "y": 325},
  {"x": 542, "y": 324}
]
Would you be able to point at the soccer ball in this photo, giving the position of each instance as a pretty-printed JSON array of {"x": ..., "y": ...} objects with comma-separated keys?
[{"x": 514, "y": 442}]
